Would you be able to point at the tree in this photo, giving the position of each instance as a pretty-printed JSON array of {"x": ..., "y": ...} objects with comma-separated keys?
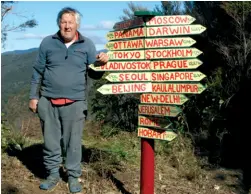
[
  {"x": 7, "y": 9},
  {"x": 169, "y": 7},
  {"x": 129, "y": 12}
]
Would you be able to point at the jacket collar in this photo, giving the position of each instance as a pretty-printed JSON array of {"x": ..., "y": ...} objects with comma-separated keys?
[{"x": 58, "y": 36}]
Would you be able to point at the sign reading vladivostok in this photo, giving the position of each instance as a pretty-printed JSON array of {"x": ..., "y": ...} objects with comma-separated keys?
[{"x": 148, "y": 65}]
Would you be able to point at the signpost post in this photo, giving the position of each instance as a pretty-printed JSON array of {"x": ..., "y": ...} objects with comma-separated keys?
[{"x": 146, "y": 58}]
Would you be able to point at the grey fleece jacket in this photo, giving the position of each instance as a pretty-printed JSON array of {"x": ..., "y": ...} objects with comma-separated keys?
[{"x": 61, "y": 70}]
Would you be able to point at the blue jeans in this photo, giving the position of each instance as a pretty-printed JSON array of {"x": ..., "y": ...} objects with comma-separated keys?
[{"x": 64, "y": 122}]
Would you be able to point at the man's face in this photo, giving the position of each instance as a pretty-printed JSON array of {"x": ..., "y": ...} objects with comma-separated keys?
[{"x": 68, "y": 27}]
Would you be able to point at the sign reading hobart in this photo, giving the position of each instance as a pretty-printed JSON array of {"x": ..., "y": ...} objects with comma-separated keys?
[{"x": 156, "y": 134}]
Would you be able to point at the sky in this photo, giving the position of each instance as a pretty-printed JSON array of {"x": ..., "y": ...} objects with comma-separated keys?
[{"x": 98, "y": 19}]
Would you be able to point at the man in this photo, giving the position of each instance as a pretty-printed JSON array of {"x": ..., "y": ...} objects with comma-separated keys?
[{"x": 61, "y": 65}]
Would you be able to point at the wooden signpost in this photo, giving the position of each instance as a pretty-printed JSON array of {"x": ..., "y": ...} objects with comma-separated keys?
[{"x": 151, "y": 55}]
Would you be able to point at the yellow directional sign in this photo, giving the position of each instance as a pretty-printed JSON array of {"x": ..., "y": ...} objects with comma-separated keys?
[
  {"x": 159, "y": 110},
  {"x": 174, "y": 30},
  {"x": 156, "y": 134},
  {"x": 125, "y": 88},
  {"x": 126, "y": 55},
  {"x": 175, "y": 64},
  {"x": 125, "y": 45},
  {"x": 170, "y": 20},
  {"x": 185, "y": 88},
  {"x": 125, "y": 34},
  {"x": 150, "y": 43},
  {"x": 177, "y": 99},
  {"x": 172, "y": 53},
  {"x": 123, "y": 66},
  {"x": 169, "y": 42},
  {"x": 156, "y": 122},
  {"x": 156, "y": 76}
]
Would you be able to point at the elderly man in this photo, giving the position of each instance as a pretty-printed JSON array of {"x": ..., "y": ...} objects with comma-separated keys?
[{"x": 61, "y": 66}]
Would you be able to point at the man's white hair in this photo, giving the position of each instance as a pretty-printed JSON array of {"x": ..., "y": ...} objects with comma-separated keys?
[{"x": 70, "y": 10}]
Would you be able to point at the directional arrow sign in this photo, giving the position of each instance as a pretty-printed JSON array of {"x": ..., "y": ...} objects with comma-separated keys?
[
  {"x": 170, "y": 20},
  {"x": 169, "y": 42},
  {"x": 170, "y": 111},
  {"x": 157, "y": 122},
  {"x": 172, "y": 53},
  {"x": 126, "y": 55},
  {"x": 156, "y": 134},
  {"x": 177, "y": 99},
  {"x": 148, "y": 65},
  {"x": 174, "y": 30},
  {"x": 156, "y": 76},
  {"x": 123, "y": 66},
  {"x": 150, "y": 43},
  {"x": 185, "y": 88},
  {"x": 125, "y": 88},
  {"x": 125, "y": 45},
  {"x": 132, "y": 33},
  {"x": 175, "y": 64},
  {"x": 138, "y": 21}
]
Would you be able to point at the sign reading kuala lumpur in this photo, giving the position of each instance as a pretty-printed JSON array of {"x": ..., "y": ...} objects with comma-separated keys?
[{"x": 153, "y": 56}]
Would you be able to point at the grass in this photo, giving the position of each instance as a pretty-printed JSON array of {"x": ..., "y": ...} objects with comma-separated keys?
[{"x": 112, "y": 164}]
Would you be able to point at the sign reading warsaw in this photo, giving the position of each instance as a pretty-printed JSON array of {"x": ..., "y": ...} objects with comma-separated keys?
[
  {"x": 169, "y": 20},
  {"x": 171, "y": 111},
  {"x": 125, "y": 88},
  {"x": 156, "y": 134},
  {"x": 177, "y": 99},
  {"x": 156, "y": 76},
  {"x": 150, "y": 43}
]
